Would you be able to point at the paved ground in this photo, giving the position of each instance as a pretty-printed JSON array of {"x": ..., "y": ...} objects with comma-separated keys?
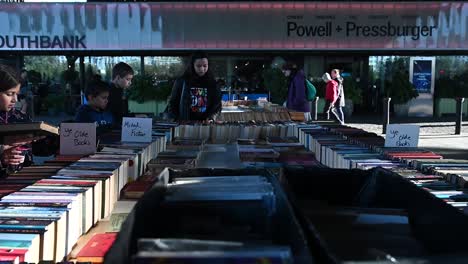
[{"x": 437, "y": 135}]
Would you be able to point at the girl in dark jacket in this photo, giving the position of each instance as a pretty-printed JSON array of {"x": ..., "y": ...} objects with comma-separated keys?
[
  {"x": 15, "y": 157},
  {"x": 195, "y": 95}
]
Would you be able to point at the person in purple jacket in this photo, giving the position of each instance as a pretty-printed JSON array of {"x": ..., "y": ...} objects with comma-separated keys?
[{"x": 296, "y": 100}]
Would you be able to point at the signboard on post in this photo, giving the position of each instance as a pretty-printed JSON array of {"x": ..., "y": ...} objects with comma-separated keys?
[
  {"x": 402, "y": 136},
  {"x": 136, "y": 129},
  {"x": 77, "y": 138}
]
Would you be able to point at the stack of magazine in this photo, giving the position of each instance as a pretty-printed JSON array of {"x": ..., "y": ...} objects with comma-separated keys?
[
  {"x": 217, "y": 219},
  {"x": 223, "y": 188}
]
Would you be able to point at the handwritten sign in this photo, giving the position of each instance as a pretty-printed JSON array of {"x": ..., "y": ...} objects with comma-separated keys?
[
  {"x": 77, "y": 138},
  {"x": 402, "y": 136},
  {"x": 137, "y": 129}
]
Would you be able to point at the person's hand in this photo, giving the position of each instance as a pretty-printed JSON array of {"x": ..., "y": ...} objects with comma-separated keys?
[
  {"x": 18, "y": 140},
  {"x": 207, "y": 121},
  {"x": 13, "y": 156}
]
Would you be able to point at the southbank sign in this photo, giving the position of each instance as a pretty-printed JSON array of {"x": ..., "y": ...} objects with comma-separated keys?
[{"x": 234, "y": 26}]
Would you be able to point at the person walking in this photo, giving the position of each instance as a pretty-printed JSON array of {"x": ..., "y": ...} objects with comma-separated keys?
[
  {"x": 340, "y": 102},
  {"x": 331, "y": 97}
]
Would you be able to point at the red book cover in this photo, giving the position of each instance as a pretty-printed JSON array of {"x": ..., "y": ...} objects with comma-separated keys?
[
  {"x": 135, "y": 190},
  {"x": 68, "y": 157},
  {"x": 89, "y": 176},
  {"x": 137, "y": 186},
  {"x": 412, "y": 153},
  {"x": 12, "y": 186},
  {"x": 58, "y": 162},
  {"x": 150, "y": 177},
  {"x": 14, "y": 252},
  {"x": 42, "y": 168},
  {"x": 96, "y": 248},
  {"x": 65, "y": 182}
]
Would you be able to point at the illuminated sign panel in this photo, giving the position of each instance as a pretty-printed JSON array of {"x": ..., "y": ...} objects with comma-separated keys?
[{"x": 228, "y": 25}]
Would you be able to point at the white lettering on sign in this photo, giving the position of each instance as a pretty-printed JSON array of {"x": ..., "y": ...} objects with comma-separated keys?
[
  {"x": 402, "y": 136},
  {"x": 77, "y": 138},
  {"x": 136, "y": 129}
]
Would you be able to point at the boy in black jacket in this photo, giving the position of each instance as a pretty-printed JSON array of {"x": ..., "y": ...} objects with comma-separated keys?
[{"x": 122, "y": 75}]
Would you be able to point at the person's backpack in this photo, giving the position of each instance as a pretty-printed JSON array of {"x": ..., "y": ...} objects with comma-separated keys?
[{"x": 311, "y": 91}]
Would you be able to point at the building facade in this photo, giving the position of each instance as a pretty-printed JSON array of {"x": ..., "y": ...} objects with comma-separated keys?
[{"x": 246, "y": 37}]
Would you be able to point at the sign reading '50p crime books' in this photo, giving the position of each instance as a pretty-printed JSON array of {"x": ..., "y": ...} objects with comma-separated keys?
[{"x": 136, "y": 129}]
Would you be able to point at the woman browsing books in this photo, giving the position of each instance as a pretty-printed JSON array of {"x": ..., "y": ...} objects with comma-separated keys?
[
  {"x": 195, "y": 96},
  {"x": 16, "y": 152}
]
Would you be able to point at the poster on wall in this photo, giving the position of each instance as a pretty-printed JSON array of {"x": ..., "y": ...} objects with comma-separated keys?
[{"x": 422, "y": 76}]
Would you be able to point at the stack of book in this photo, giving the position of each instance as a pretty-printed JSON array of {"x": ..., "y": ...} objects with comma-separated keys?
[
  {"x": 359, "y": 136},
  {"x": 168, "y": 128},
  {"x": 31, "y": 128},
  {"x": 408, "y": 154},
  {"x": 276, "y": 153},
  {"x": 275, "y": 108},
  {"x": 348, "y": 148},
  {"x": 212, "y": 216},
  {"x": 256, "y": 116},
  {"x": 258, "y": 153},
  {"x": 136, "y": 189},
  {"x": 442, "y": 184},
  {"x": 374, "y": 214},
  {"x": 96, "y": 248},
  {"x": 353, "y": 148},
  {"x": 175, "y": 158},
  {"x": 298, "y": 116},
  {"x": 46, "y": 209},
  {"x": 298, "y": 157},
  {"x": 182, "y": 153},
  {"x": 235, "y": 130},
  {"x": 111, "y": 143},
  {"x": 219, "y": 156},
  {"x": 181, "y": 142}
]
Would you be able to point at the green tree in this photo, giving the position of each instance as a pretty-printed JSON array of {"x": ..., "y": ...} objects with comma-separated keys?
[
  {"x": 50, "y": 66},
  {"x": 352, "y": 90},
  {"x": 276, "y": 83},
  {"x": 148, "y": 87},
  {"x": 399, "y": 88}
]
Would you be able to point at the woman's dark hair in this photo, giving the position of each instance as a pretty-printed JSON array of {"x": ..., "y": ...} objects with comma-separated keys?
[
  {"x": 9, "y": 78},
  {"x": 190, "y": 70},
  {"x": 292, "y": 66},
  {"x": 95, "y": 88}
]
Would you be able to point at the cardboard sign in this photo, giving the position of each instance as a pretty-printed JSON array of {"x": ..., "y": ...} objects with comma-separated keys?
[
  {"x": 77, "y": 138},
  {"x": 402, "y": 136},
  {"x": 136, "y": 129}
]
